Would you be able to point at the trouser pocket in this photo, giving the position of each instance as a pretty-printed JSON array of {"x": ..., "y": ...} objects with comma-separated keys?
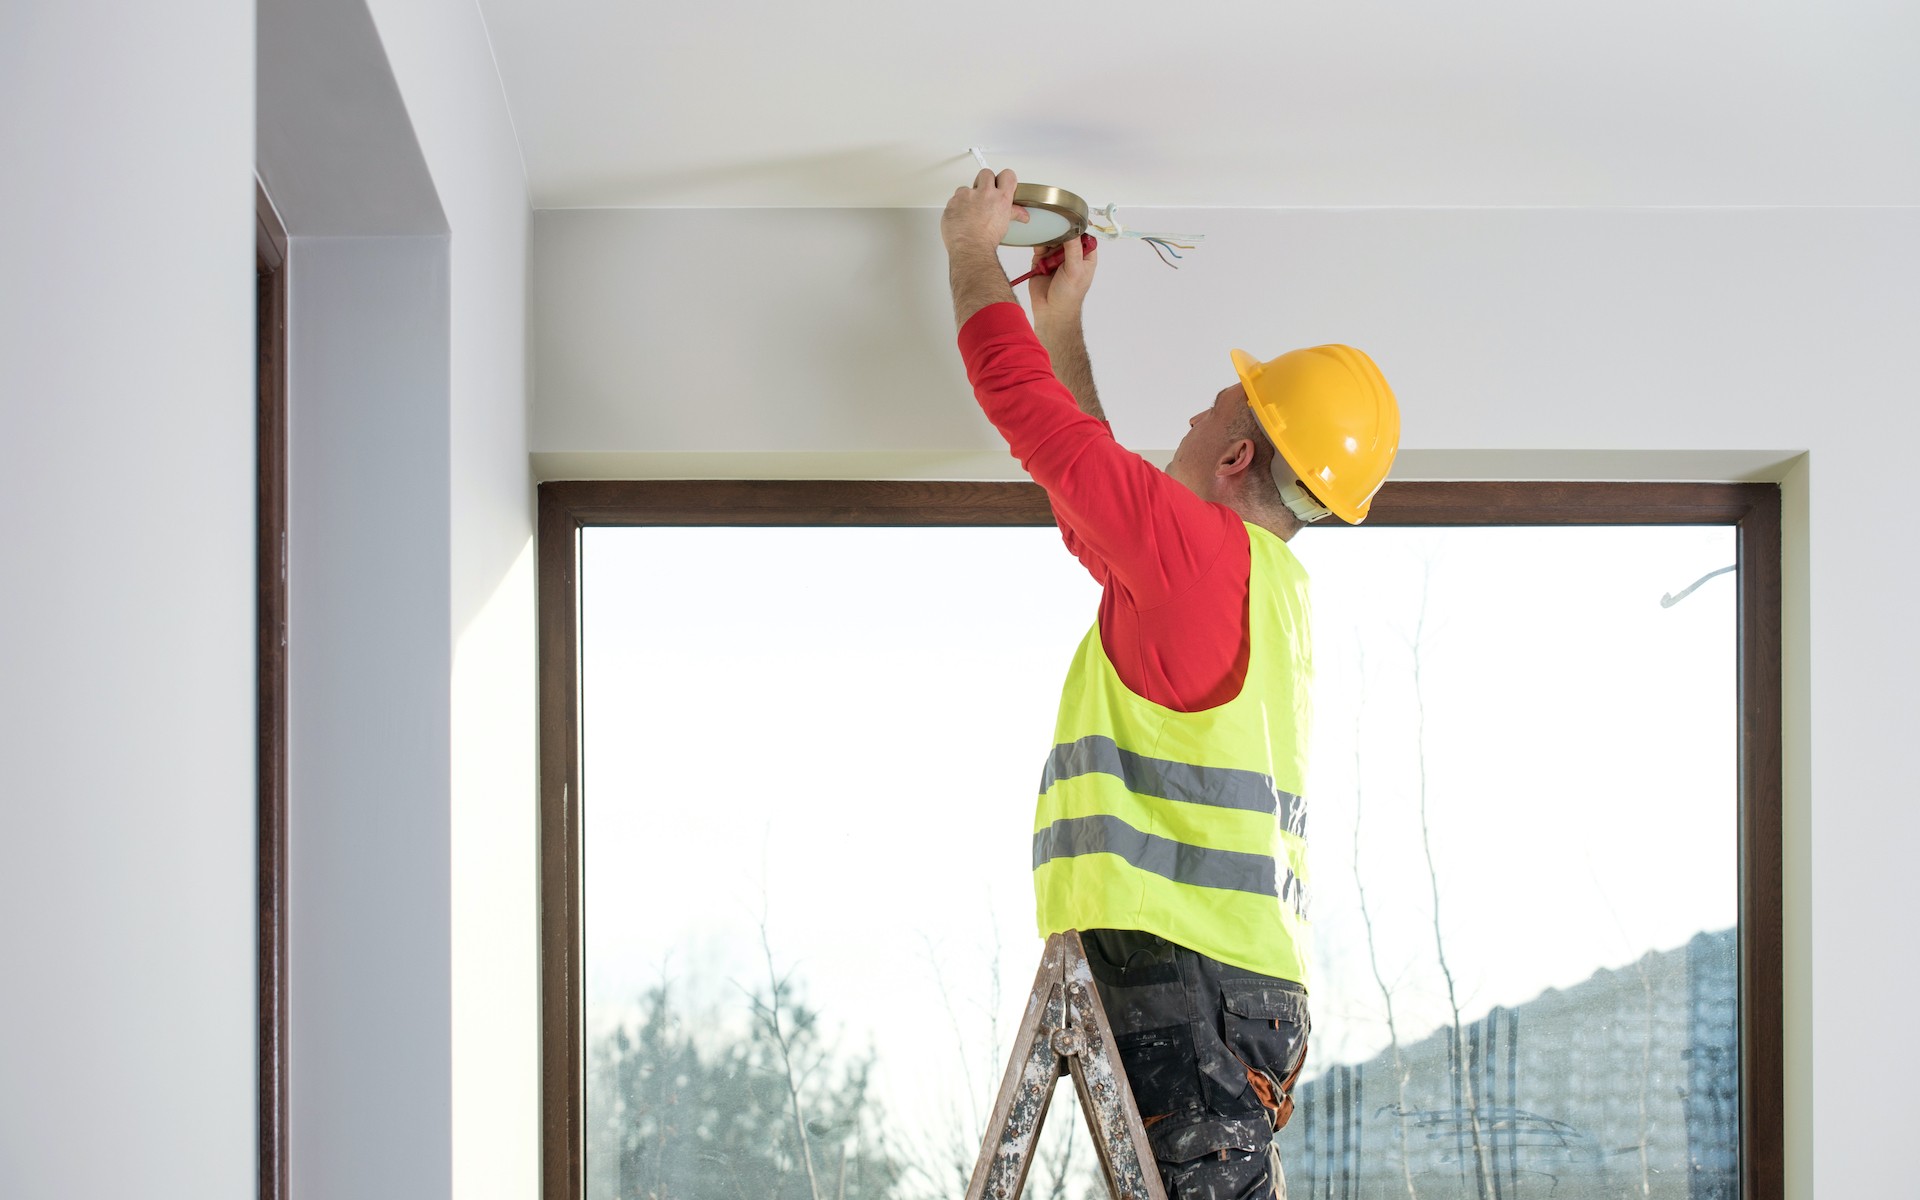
[
  {"x": 1266, "y": 1024},
  {"x": 1159, "y": 1067},
  {"x": 1226, "y": 1175}
]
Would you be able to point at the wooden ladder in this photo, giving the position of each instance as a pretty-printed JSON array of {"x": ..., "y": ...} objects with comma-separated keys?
[{"x": 1065, "y": 1030}]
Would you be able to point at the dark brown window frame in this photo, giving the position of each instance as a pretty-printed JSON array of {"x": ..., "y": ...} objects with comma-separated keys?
[
  {"x": 567, "y": 508},
  {"x": 270, "y": 647}
]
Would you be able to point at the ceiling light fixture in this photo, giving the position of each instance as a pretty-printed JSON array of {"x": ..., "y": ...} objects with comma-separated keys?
[
  {"x": 1053, "y": 216},
  {"x": 1056, "y": 215}
]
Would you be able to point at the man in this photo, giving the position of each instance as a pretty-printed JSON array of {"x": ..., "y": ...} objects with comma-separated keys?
[{"x": 1171, "y": 830}]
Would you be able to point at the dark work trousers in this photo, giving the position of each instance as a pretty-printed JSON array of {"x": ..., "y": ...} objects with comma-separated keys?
[{"x": 1206, "y": 1047}]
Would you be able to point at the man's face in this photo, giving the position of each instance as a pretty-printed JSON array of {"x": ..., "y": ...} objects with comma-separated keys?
[{"x": 1208, "y": 433}]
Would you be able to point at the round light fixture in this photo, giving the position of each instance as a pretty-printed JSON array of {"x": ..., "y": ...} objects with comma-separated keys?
[{"x": 1053, "y": 216}]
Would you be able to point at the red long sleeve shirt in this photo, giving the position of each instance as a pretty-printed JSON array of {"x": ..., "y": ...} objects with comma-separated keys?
[{"x": 1172, "y": 567}]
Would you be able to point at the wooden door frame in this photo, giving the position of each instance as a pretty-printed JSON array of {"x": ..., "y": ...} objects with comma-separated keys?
[
  {"x": 270, "y": 549},
  {"x": 567, "y": 508}
]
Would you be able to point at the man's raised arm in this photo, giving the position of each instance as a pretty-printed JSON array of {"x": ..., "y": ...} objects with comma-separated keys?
[{"x": 1057, "y": 301}]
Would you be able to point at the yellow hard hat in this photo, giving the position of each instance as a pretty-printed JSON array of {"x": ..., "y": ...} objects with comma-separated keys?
[{"x": 1335, "y": 422}]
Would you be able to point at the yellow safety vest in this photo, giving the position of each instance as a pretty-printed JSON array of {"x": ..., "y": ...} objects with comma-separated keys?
[{"x": 1188, "y": 825}]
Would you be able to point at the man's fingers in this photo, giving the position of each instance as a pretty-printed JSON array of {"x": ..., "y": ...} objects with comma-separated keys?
[
  {"x": 1007, "y": 180},
  {"x": 984, "y": 179},
  {"x": 1021, "y": 214}
]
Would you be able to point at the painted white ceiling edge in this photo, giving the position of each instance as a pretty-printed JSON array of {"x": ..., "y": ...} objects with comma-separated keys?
[{"x": 870, "y": 103}]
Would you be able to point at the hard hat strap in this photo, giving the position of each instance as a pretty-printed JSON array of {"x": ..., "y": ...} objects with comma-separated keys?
[{"x": 1300, "y": 502}]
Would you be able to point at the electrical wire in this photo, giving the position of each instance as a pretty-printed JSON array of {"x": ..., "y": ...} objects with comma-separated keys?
[
  {"x": 1113, "y": 228},
  {"x": 1163, "y": 248},
  {"x": 1166, "y": 246}
]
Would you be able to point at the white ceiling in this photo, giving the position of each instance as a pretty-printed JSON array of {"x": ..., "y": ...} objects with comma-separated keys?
[{"x": 1362, "y": 103}]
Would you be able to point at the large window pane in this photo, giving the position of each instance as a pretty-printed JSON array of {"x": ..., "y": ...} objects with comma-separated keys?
[
  {"x": 810, "y": 757},
  {"x": 1510, "y": 721}
]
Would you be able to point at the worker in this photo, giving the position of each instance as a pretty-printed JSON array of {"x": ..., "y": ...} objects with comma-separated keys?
[{"x": 1171, "y": 827}]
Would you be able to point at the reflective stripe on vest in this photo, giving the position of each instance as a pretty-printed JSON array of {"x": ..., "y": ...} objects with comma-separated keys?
[
  {"x": 1223, "y": 787},
  {"x": 1188, "y": 825},
  {"x": 1195, "y": 865}
]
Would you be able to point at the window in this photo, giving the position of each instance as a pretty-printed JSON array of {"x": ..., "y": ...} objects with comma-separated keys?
[{"x": 807, "y": 926}]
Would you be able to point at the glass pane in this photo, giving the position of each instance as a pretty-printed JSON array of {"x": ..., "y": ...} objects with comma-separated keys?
[
  {"x": 810, "y": 766},
  {"x": 810, "y": 763},
  {"x": 1525, "y": 866}
]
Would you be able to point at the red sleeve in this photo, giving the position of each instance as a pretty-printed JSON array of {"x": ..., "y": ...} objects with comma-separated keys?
[
  {"x": 1173, "y": 566},
  {"x": 1154, "y": 534},
  {"x": 1077, "y": 547}
]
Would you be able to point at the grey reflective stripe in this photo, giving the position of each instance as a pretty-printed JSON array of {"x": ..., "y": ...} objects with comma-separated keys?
[
  {"x": 1222, "y": 787},
  {"x": 1234, "y": 870},
  {"x": 1293, "y": 892}
]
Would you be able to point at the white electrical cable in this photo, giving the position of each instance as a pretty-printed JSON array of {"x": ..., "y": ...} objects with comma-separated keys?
[{"x": 1114, "y": 229}]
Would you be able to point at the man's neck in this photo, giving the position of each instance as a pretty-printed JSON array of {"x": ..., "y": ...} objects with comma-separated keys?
[{"x": 1283, "y": 526}]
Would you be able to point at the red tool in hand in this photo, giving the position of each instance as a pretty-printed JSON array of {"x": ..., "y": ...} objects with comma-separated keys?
[{"x": 1050, "y": 261}]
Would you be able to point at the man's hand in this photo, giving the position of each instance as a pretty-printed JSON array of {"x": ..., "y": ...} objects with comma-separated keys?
[
  {"x": 978, "y": 216},
  {"x": 1056, "y": 320},
  {"x": 972, "y": 226},
  {"x": 1058, "y": 297}
]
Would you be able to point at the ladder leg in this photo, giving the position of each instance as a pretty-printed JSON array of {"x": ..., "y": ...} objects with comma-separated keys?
[
  {"x": 1101, "y": 1082},
  {"x": 1007, "y": 1150}
]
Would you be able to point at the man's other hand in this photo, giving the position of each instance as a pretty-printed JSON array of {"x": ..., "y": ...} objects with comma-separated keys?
[
  {"x": 1059, "y": 296},
  {"x": 978, "y": 216}
]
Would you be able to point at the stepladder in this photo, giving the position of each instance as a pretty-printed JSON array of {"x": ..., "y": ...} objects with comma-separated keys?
[{"x": 1065, "y": 1032}]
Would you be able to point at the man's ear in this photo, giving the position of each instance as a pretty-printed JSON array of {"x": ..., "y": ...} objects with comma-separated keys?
[{"x": 1236, "y": 459}]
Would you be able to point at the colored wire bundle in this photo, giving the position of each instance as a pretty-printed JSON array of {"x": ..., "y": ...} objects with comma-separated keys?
[{"x": 1163, "y": 248}]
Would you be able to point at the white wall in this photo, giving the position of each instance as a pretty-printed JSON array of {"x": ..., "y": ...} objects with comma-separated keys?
[
  {"x": 368, "y": 661},
  {"x": 828, "y": 331},
  {"x": 368, "y": 768},
  {"x": 126, "y": 601},
  {"x": 126, "y": 648},
  {"x": 440, "y": 56},
  {"x": 413, "y": 887},
  {"x": 1522, "y": 343}
]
